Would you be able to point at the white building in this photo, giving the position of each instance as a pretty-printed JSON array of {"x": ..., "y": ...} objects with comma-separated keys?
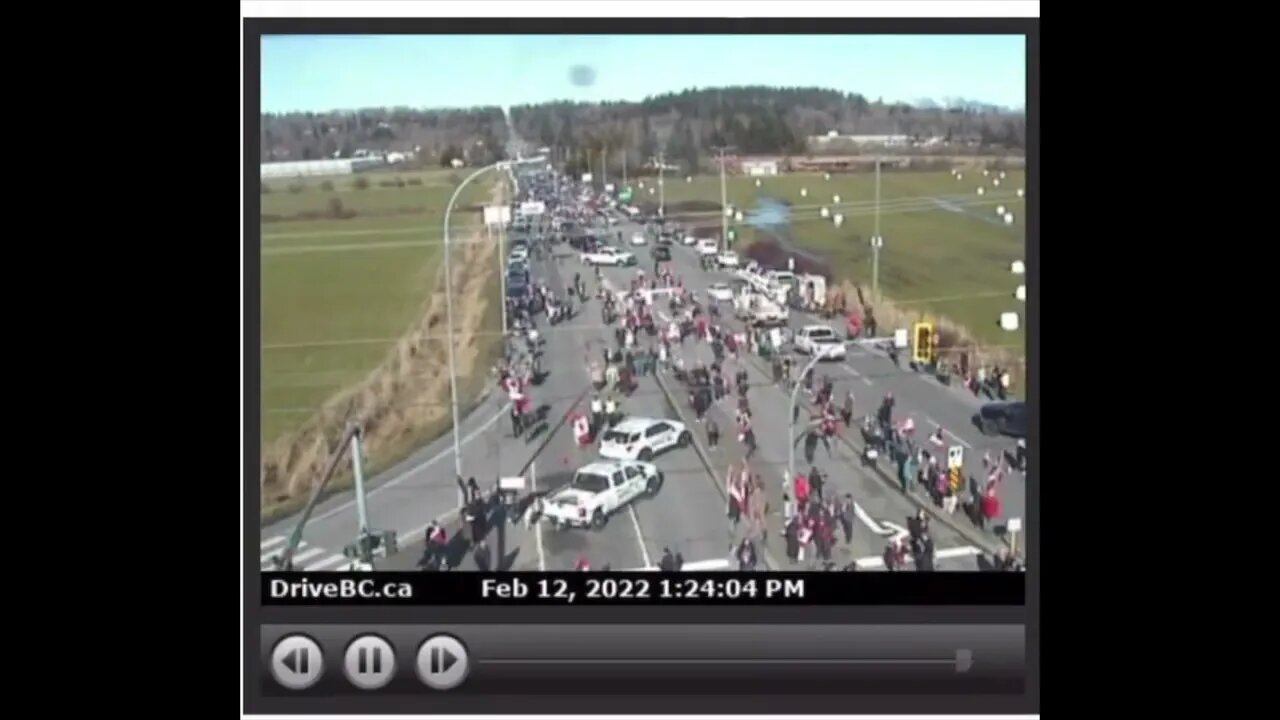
[
  {"x": 312, "y": 168},
  {"x": 760, "y": 167}
]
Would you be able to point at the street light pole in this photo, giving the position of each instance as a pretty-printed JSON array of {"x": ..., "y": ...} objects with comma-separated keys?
[
  {"x": 724, "y": 207},
  {"x": 875, "y": 240},
  {"x": 448, "y": 309},
  {"x": 662, "y": 193},
  {"x": 791, "y": 417}
]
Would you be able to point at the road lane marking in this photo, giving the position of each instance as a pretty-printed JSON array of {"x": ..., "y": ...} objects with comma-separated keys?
[
  {"x": 423, "y": 465},
  {"x": 699, "y": 566},
  {"x": 306, "y": 555},
  {"x": 635, "y": 523},
  {"x": 949, "y": 434},
  {"x": 327, "y": 562},
  {"x": 873, "y": 562},
  {"x": 272, "y": 542},
  {"x": 266, "y": 556},
  {"x": 537, "y": 535},
  {"x": 865, "y": 380}
]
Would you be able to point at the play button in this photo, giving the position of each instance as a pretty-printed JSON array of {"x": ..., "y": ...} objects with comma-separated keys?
[{"x": 442, "y": 662}]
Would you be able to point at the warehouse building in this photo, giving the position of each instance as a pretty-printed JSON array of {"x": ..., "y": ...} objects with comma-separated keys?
[{"x": 312, "y": 168}]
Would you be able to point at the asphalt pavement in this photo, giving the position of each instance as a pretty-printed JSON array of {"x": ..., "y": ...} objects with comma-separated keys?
[{"x": 870, "y": 374}]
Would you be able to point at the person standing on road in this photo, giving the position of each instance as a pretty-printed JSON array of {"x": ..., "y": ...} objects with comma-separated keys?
[
  {"x": 816, "y": 482},
  {"x": 846, "y": 515},
  {"x": 597, "y": 414},
  {"x": 482, "y": 556},
  {"x": 746, "y": 555},
  {"x": 748, "y": 436},
  {"x": 668, "y": 561},
  {"x": 713, "y": 434}
]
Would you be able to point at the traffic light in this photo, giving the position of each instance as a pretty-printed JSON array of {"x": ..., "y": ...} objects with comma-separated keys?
[{"x": 924, "y": 349}]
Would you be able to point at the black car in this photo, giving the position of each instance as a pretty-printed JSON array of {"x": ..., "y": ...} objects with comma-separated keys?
[
  {"x": 1003, "y": 418},
  {"x": 661, "y": 252}
]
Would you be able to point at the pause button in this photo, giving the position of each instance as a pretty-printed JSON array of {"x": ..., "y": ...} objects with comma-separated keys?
[{"x": 370, "y": 662}]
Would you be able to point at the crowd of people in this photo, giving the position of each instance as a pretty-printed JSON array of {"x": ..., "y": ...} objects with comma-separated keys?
[{"x": 815, "y": 520}]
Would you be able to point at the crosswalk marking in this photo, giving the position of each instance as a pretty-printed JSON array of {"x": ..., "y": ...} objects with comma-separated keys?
[
  {"x": 272, "y": 542},
  {"x": 699, "y": 566},
  {"x": 327, "y": 562},
  {"x": 876, "y": 562},
  {"x": 266, "y": 557},
  {"x": 306, "y": 555}
]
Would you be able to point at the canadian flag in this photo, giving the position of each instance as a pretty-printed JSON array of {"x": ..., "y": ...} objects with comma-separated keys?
[{"x": 582, "y": 430}]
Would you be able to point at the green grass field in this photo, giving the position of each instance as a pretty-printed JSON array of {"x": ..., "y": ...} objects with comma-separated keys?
[
  {"x": 952, "y": 262},
  {"x": 336, "y": 294}
]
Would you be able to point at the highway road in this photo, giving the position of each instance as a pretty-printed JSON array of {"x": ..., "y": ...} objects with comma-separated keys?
[
  {"x": 870, "y": 374},
  {"x": 689, "y": 514}
]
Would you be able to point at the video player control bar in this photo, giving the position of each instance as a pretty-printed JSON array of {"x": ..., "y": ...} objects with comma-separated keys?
[{"x": 692, "y": 659}]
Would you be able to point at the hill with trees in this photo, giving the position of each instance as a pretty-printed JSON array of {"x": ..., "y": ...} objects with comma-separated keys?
[
  {"x": 758, "y": 121},
  {"x": 476, "y": 135}
]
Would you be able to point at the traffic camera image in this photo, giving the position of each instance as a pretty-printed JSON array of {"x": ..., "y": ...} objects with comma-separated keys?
[{"x": 601, "y": 319}]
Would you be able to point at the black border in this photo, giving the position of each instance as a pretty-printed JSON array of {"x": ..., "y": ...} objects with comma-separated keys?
[{"x": 254, "y": 615}]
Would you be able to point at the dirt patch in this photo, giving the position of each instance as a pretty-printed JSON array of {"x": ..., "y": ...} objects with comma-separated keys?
[{"x": 405, "y": 400}]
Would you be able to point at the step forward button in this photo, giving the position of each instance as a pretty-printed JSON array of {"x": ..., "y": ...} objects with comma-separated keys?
[{"x": 443, "y": 662}]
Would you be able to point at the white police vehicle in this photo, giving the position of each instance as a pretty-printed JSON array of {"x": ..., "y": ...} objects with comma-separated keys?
[
  {"x": 642, "y": 438},
  {"x": 600, "y": 489}
]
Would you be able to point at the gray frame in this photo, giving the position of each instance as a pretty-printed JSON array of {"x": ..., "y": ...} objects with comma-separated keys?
[{"x": 255, "y": 615}]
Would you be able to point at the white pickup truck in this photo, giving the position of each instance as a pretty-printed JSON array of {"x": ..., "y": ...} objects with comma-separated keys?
[
  {"x": 600, "y": 489},
  {"x": 758, "y": 309},
  {"x": 821, "y": 341},
  {"x": 607, "y": 255}
]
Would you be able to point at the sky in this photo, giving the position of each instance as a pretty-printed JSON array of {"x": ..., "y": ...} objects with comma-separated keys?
[{"x": 321, "y": 73}]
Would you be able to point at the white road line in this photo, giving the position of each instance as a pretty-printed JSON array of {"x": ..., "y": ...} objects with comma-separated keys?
[
  {"x": 948, "y": 433},
  {"x": 537, "y": 533},
  {"x": 699, "y": 566},
  {"x": 307, "y": 555},
  {"x": 855, "y": 373},
  {"x": 424, "y": 464},
  {"x": 331, "y": 560},
  {"x": 272, "y": 542},
  {"x": 635, "y": 523},
  {"x": 873, "y": 562},
  {"x": 266, "y": 556}
]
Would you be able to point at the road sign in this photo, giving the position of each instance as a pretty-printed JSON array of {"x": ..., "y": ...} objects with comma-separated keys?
[
  {"x": 1014, "y": 525},
  {"x": 733, "y": 235},
  {"x": 625, "y": 195},
  {"x": 955, "y": 457}
]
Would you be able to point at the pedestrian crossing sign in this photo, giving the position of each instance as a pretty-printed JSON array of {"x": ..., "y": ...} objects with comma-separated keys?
[{"x": 955, "y": 457}]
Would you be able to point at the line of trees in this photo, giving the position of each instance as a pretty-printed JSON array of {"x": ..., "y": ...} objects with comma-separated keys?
[
  {"x": 475, "y": 135},
  {"x": 688, "y": 125}
]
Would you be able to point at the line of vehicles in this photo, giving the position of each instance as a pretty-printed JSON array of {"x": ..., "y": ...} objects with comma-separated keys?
[{"x": 625, "y": 470}]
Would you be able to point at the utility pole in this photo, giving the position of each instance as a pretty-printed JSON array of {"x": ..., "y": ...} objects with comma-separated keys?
[
  {"x": 604, "y": 167},
  {"x": 724, "y": 206},
  {"x": 662, "y": 193},
  {"x": 876, "y": 242},
  {"x": 624, "y": 165}
]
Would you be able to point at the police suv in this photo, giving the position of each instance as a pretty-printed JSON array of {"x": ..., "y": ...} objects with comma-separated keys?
[{"x": 642, "y": 438}]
